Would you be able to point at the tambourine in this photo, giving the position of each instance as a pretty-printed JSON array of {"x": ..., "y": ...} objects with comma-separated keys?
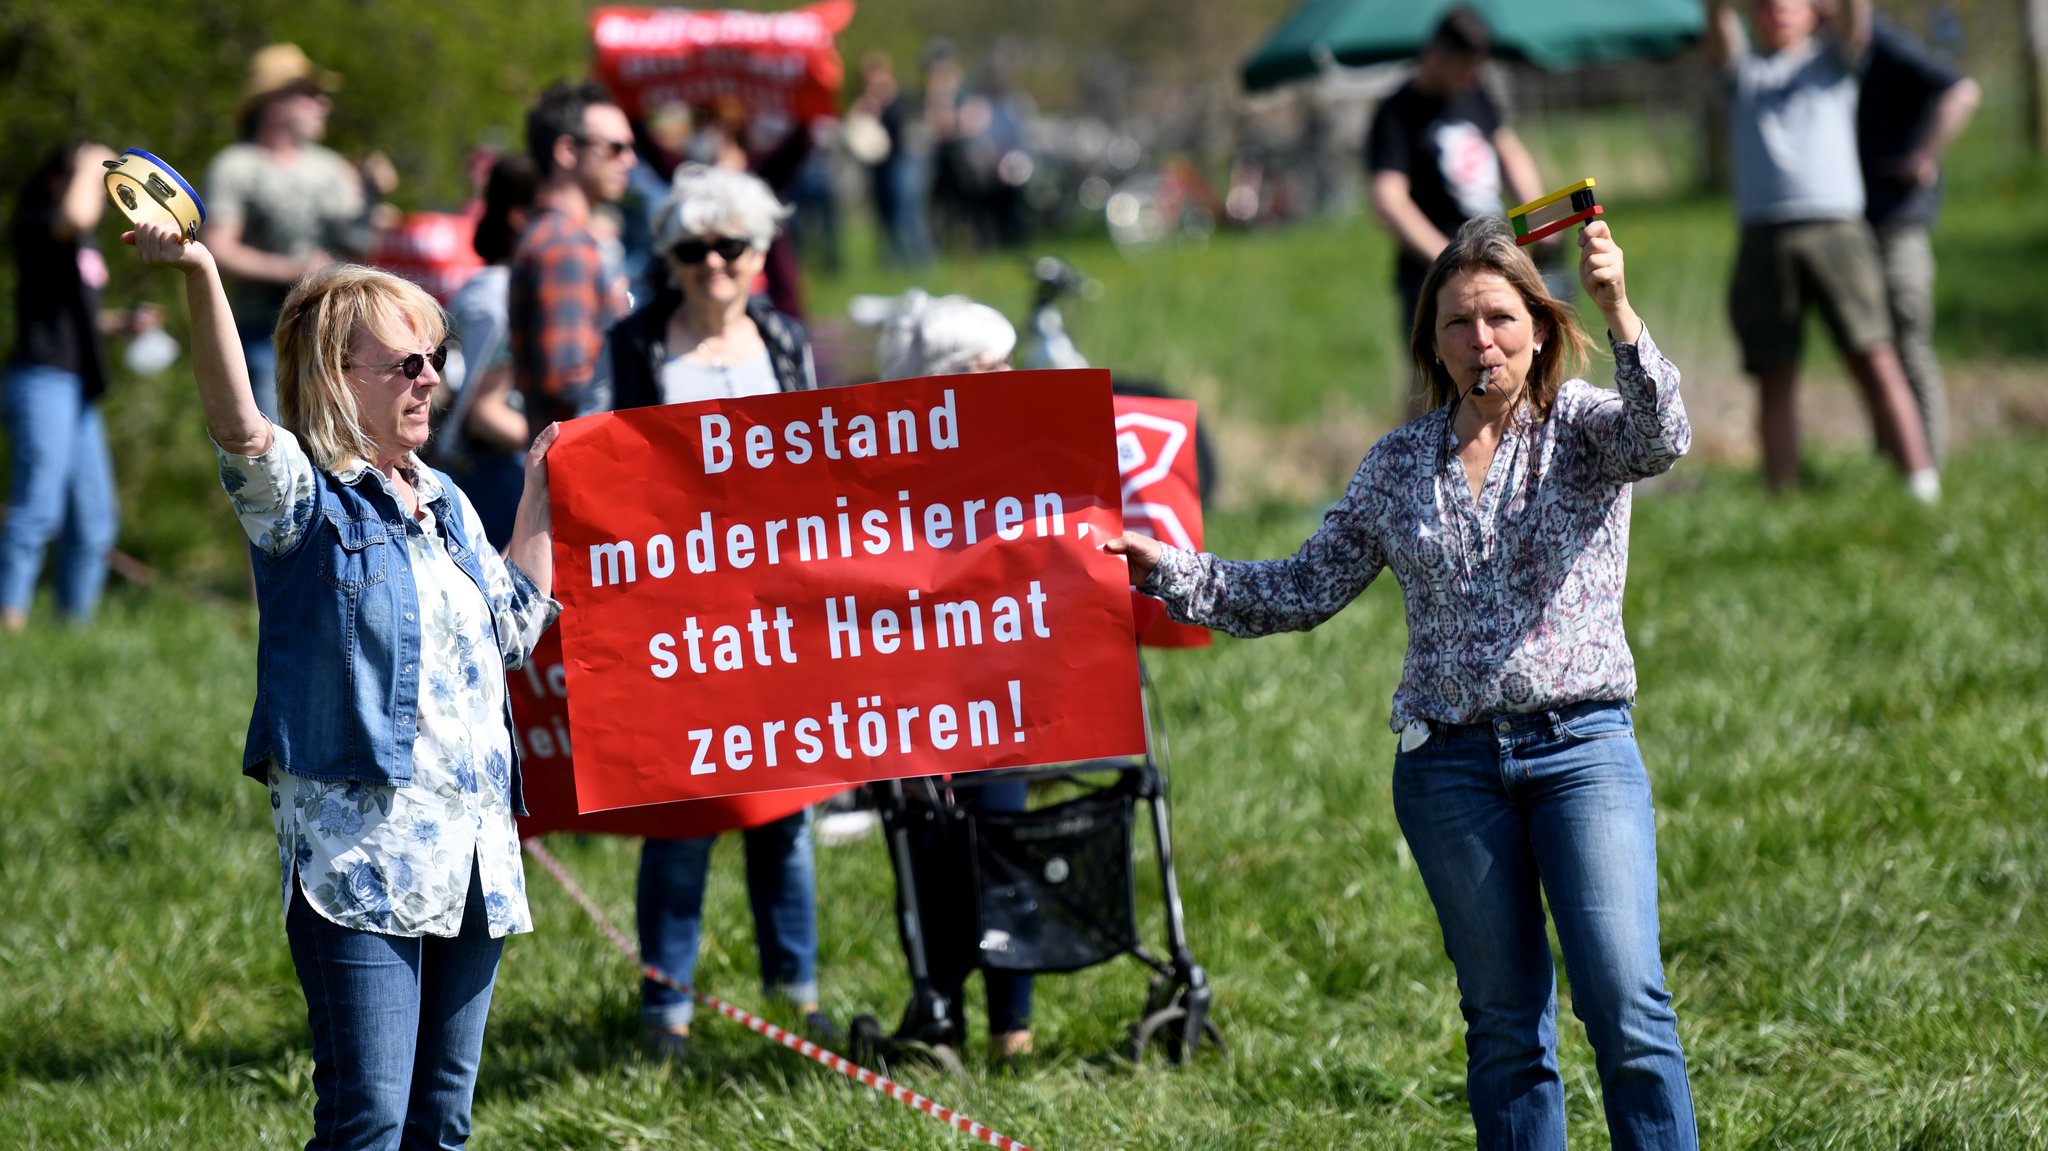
[{"x": 148, "y": 190}]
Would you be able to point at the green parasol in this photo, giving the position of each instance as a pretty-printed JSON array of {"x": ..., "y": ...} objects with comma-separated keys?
[{"x": 1553, "y": 34}]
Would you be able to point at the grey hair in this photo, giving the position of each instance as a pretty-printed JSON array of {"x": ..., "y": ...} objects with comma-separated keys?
[
  {"x": 706, "y": 201},
  {"x": 941, "y": 336}
]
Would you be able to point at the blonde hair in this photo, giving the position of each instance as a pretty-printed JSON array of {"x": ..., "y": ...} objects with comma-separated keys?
[
  {"x": 1484, "y": 244},
  {"x": 315, "y": 333}
]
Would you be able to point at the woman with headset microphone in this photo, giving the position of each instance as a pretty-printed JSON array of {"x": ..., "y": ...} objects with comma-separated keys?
[{"x": 1504, "y": 512}]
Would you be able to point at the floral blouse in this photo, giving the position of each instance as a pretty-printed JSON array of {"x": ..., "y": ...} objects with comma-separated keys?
[
  {"x": 1513, "y": 598},
  {"x": 397, "y": 860}
]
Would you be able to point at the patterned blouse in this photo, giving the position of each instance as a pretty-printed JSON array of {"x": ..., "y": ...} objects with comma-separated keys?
[
  {"x": 1513, "y": 599},
  {"x": 396, "y": 860}
]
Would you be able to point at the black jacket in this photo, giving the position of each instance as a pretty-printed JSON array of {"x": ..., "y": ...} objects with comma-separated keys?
[{"x": 638, "y": 347}]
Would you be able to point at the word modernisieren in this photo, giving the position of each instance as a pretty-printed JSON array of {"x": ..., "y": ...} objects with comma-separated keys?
[{"x": 805, "y": 539}]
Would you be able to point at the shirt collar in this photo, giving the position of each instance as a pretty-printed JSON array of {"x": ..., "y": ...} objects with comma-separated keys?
[{"x": 353, "y": 471}]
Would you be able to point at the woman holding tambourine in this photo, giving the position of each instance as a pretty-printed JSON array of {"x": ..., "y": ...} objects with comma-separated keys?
[{"x": 381, "y": 724}]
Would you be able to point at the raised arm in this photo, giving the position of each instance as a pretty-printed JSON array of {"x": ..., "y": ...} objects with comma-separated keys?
[
  {"x": 232, "y": 417},
  {"x": 1725, "y": 38},
  {"x": 1601, "y": 274},
  {"x": 1852, "y": 24},
  {"x": 1643, "y": 430}
]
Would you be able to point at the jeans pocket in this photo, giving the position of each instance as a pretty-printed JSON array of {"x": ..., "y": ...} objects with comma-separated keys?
[{"x": 1599, "y": 723}]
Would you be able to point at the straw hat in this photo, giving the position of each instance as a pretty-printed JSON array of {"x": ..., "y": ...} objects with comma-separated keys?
[{"x": 277, "y": 67}]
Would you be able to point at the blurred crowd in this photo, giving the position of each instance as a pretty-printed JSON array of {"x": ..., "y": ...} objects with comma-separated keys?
[{"x": 1837, "y": 119}]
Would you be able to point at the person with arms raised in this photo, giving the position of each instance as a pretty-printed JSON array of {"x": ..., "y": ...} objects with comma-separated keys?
[
  {"x": 381, "y": 723},
  {"x": 1504, "y": 514}
]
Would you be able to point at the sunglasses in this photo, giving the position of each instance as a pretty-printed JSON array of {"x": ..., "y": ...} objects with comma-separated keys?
[
  {"x": 413, "y": 365},
  {"x": 694, "y": 251},
  {"x": 609, "y": 149}
]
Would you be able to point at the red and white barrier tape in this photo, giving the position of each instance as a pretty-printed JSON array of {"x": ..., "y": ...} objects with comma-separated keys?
[{"x": 760, "y": 1026}]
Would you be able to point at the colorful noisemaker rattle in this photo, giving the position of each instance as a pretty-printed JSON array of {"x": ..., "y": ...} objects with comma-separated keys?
[
  {"x": 148, "y": 190},
  {"x": 1571, "y": 204}
]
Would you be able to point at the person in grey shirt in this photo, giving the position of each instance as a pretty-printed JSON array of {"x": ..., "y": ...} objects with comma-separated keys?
[
  {"x": 1799, "y": 197},
  {"x": 279, "y": 204}
]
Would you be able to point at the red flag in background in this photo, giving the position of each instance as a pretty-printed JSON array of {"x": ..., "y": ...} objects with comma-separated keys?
[
  {"x": 811, "y": 589},
  {"x": 784, "y": 66},
  {"x": 1155, "y": 455},
  {"x": 435, "y": 250}
]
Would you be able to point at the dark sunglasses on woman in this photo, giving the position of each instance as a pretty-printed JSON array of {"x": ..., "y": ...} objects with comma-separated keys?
[
  {"x": 413, "y": 365},
  {"x": 694, "y": 251}
]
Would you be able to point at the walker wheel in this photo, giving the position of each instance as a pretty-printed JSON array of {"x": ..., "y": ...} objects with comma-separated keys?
[{"x": 1165, "y": 1027}]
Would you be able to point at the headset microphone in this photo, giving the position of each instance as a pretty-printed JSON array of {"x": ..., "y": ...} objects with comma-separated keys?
[{"x": 1483, "y": 383}]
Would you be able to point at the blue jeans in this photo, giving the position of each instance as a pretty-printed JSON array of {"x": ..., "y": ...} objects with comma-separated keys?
[
  {"x": 63, "y": 490},
  {"x": 398, "y": 1027},
  {"x": 261, "y": 356},
  {"x": 1499, "y": 816},
  {"x": 781, "y": 887}
]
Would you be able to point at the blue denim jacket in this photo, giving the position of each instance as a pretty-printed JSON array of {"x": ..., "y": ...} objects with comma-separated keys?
[{"x": 338, "y": 642}]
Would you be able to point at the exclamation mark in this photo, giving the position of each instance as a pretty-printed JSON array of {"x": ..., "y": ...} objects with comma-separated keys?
[{"x": 1017, "y": 710}]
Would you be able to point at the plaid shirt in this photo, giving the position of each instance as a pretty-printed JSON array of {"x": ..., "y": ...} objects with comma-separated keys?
[{"x": 563, "y": 297}]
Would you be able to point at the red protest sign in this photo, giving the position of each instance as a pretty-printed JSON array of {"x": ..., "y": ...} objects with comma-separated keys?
[
  {"x": 435, "y": 250},
  {"x": 1155, "y": 454},
  {"x": 782, "y": 65},
  {"x": 540, "y": 716},
  {"x": 819, "y": 588}
]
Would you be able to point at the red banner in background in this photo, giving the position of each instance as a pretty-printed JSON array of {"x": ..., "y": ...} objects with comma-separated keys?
[
  {"x": 821, "y": 588},
  {"x": 435, "y": 250},
  {"x": 540, "y": 715},
  {"x": 1155, "y": 456},
  {"x": 781, "y": 65}
]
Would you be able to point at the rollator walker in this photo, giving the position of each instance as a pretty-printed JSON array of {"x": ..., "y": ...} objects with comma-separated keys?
[{"x": 1053, "y": 890}]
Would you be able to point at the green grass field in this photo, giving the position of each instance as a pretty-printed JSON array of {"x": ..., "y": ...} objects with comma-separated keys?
[{"x": 1841, "y": 709}]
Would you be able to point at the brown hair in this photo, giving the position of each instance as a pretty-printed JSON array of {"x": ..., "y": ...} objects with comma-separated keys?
[
  {"x": 314, "y": 335},
  {"x": 1484, "y": 244}
]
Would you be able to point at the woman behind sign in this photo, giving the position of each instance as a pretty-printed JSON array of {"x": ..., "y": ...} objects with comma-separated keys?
[
  {"x": 705, "y": 337},
  {"x": 953, "y": 335},
  {"x": 1504, "y": 514},
  {"x": 381, "y": 722}
]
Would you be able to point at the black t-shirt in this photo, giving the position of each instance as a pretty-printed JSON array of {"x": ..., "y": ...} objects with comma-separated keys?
[
  {"x": 1900, "y": 90},
  {"x": 57, "y": 300},
  {"x": 1444, "y": 145}
]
